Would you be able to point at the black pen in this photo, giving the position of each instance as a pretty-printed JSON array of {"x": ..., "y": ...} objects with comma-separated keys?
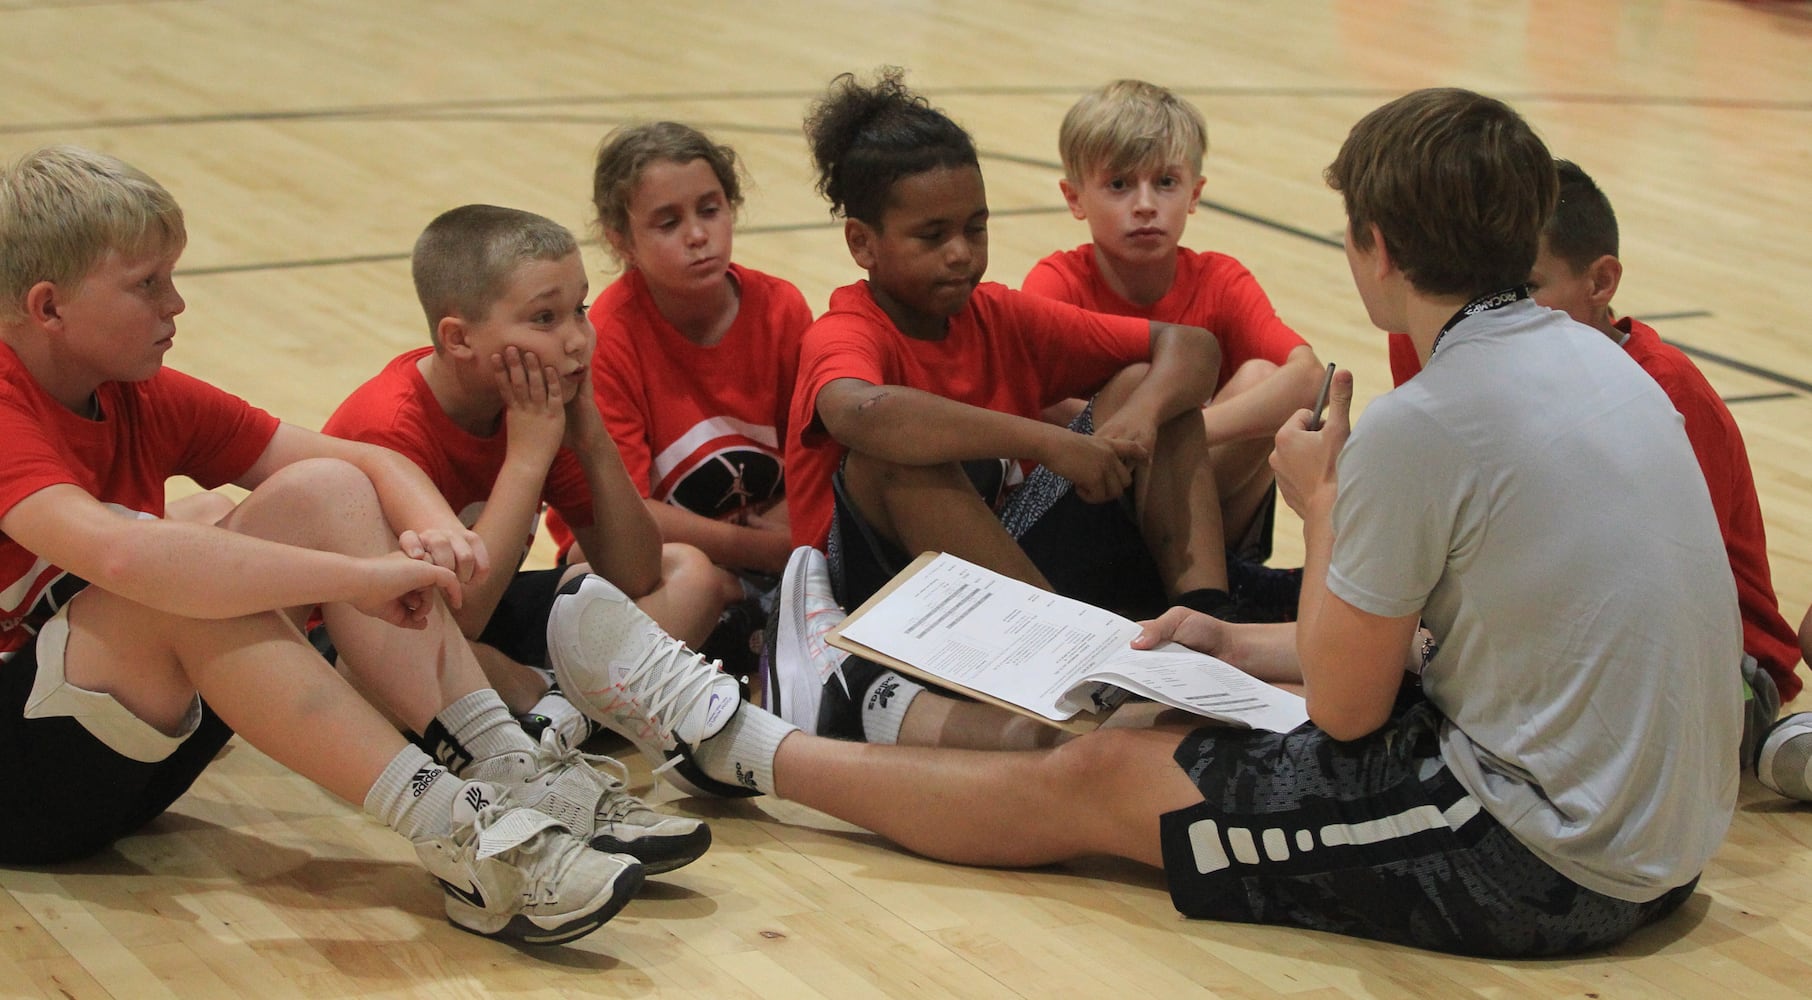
[{"x": 1321, "y": 398}]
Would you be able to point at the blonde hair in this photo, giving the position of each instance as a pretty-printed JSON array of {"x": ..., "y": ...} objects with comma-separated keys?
[
  {"x": 464, "y": 260},
  {"x": 63, "y": 208},
  {"x": 1130, "y": 125}
]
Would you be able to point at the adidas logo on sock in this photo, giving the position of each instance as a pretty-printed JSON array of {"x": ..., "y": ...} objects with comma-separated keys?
[
  {"x": 424, "y": 778},
  {"x": 883, "y": 692},
  {"x": 746, "y": 778}
]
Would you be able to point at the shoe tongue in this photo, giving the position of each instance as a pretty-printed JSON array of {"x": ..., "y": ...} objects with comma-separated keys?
[
  {"x": 474, "y": 797},
  {"x": 503, "y": 832},
  {"x": 709, "y": 713}
]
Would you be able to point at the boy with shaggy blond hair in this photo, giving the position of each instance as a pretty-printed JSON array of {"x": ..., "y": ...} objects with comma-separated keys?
[{"x": 1132, "y": 159}]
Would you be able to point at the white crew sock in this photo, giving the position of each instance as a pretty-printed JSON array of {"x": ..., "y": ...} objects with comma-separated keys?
[{"x": 414, "y": 796}]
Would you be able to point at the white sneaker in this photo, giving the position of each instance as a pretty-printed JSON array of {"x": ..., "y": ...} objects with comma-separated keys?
[
  {"x": 1784, "y": 763},
  {"x": 516, "y": 874},
  {"x": 802, "y": 660},
  {"x": 587, "y": 794},
  {"x": 624, "y": 672}
]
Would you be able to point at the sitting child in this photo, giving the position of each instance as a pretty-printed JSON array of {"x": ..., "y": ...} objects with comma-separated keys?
[
  {"x": 924, "y": 367},
  {"x": 499, "y": 413},
  {"x": 133, "y": 646},
  {"x": 1132, "y": 161},
  {"x": 695, "y": 361}
]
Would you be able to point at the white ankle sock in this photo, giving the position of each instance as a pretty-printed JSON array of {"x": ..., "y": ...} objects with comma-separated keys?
[
  {"x": 884, "y": 706},
  {"x": 414, "y": 796},
  {"x": 745, "y": 747}
]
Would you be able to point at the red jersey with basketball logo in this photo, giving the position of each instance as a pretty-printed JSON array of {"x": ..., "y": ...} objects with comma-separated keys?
[
  {"x": 168, "y": 425},
  {"x": 702, "y": 428}
]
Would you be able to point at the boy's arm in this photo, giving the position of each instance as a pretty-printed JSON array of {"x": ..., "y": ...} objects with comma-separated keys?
[
  {"x": 912, "y": 427},
  {"x": 1185, "y": 360},
  {"x": 622, "y": 544},
  {"x": 1351, "y": 661},
  {"x": 1260, "y": 410},
  {"x": 763, "y": 543},
  {"x": 426, "y": 528},
  {"x": 197, "y": 570},
  {"x": 534, "y": 423}
]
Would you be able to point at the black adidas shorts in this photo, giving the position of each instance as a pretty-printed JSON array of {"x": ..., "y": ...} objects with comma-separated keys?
[
  {"x": 1373, "y": 838},
  {"x": 73, "y": 794},
  {"x": 1094, "y": 553}
]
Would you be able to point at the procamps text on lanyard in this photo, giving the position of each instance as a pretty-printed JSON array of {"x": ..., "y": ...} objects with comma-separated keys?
[{"x": 1482, "y": 304}]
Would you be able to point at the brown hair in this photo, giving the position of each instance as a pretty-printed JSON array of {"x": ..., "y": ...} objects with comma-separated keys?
[
  {"x": 1458, "y": 185},
  {"x": 464, "y": 260},
  {"x": 628, "y": 151}
]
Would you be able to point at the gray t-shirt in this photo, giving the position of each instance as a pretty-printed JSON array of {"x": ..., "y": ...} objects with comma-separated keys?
[{"x": 1532, "y": 494}]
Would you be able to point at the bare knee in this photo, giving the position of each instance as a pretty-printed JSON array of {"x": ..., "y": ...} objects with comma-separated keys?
[
  {"x": 317, "y": 502},
  {"x": 687, "y": 570}
]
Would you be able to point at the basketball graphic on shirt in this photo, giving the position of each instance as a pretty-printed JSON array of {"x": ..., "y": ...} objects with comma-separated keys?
[{"x": 721, "y": 482}]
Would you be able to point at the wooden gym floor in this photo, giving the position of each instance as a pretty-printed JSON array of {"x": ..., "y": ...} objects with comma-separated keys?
[{"x": 309, "y": 142}]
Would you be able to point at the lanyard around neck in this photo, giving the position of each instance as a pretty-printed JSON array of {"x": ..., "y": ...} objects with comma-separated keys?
[{"x": 1482, "y": 304}]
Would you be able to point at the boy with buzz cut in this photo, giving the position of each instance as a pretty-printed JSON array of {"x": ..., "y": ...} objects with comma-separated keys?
[
  {"x": 1563, "y": 766},
  {"x": 1577, "y": 271},
  {"x": 499, "y": 412},
  {"x": 1132, "y": 160},
  {"x": 134, "y": 645}
]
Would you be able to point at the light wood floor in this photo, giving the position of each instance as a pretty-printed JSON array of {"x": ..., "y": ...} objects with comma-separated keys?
[{"x": 310, "y": 142}]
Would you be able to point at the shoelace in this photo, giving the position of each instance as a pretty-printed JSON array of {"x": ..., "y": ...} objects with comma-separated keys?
[
  {"x": 615, "y": 803},
  {"x": 676, "y": 678}
]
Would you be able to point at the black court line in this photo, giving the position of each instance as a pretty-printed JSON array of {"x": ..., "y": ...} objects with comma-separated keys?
[
  {"x": 388, "y": 258},
  {"x": 481, "y": 104},
  {"x": 1761, "y": 397}
]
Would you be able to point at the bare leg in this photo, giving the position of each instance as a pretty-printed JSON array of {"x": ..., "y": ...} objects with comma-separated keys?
[
  {"x": 1098, "y": 794},
  {"x": 1178, "y": 507},
  {"x": 935, "y": 508},
  {"x": 331, "y": 506},
  {"x": 934, "y": 720},
  {"x": 692, "y": 594}
]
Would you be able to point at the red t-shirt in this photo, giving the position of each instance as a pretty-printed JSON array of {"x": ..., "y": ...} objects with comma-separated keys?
[
  {"x": 1007, "y": 352},
  {"x": 1211, "y": 290},
  {"x": 397, "y": 410},
  {"x": 1718, "y": 444},
  {"x": 168, "y": 425},
  {"x": 703, "y": 428}
]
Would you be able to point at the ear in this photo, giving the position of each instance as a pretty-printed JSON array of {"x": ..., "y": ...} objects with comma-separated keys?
[
  {"x": 1195, "y": 195},
  {"x": 1603, "y": 275},
  {"x": 1382, "y": 264},
  {"x": 623, "y": 246},
  {"x": 452, "y": 331},
  {"x": 1072, "y": 198},
  {"x": 861, "y": 240},
  {"x": 44, "y": 305}
]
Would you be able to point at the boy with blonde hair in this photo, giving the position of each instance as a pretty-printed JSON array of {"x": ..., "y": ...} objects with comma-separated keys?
[
  {"x": 133, "y": 646},
  {"x": 499, "y": 412},
  {"x": 1132, "y": 159}
]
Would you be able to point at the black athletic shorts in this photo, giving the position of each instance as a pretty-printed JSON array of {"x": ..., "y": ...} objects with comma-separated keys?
[
  {"x": 1372, "y": 838},
  {"x": 72, "y": 793},
  {"x": 1094, "y": 553}
]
